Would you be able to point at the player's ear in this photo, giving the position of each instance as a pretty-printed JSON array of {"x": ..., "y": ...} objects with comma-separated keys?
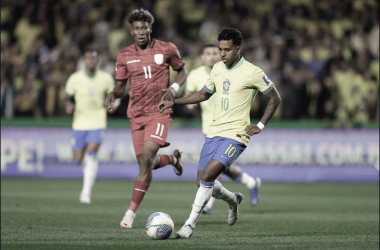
[{"x": 238, "y": 49}]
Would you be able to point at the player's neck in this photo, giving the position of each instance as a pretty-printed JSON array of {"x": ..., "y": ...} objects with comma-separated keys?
[
  {"x": 90, "y": 72},
  {"x": 145, "y": 47},
  {"x": 235, "y": 62}
]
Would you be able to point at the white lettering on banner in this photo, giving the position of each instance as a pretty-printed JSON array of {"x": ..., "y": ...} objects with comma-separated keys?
[
  {"x": 64, "y": 152},
  {"x": 307, "y": 153},
  {"x": 373, "y": 153},
  {"x": 8, "y": 153},
  {"x": 320, "y": 157},
  {"x": 124, "y": 153},
  {"x": 26, "y": 156},
  {"x": 354, "y": 153},
  {"x": 104, "y": 153}
]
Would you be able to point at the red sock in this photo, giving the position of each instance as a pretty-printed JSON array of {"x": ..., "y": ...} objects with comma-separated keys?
[
  {"x": 166, "y": 160},
  {"x": 138, "y": 194}
]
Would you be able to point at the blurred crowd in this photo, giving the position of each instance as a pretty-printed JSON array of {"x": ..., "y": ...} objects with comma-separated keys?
[{"x": 323, "y": 56}]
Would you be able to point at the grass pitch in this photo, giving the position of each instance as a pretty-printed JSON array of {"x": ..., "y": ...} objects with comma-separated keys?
[{"x": 45, "y": 214}]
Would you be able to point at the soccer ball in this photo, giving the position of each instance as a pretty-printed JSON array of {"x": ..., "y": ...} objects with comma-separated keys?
[{"x": 159, "y": 226}]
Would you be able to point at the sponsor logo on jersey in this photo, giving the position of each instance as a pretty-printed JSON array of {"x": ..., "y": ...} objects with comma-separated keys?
[
  {"x": 91, "y": 91},
  {"x": 159, "y": 59},
  {"x": 134, "y": 61},
  {"x": 226, "y": 85},
  {"x": 266, "y": 80}
]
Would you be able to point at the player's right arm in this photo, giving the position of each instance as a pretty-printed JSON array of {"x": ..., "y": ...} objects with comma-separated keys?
[
  {"x": 121, "y": 77},
  {"x": 197, "y": 97},
  {"x": 117, "y": 92}
]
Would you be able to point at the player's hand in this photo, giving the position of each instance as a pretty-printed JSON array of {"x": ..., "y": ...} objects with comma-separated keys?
[
  {"x": 69, "y": 108},
  {"x": 108, "y": 102},
  {"x": 169, "y": 94},
  {"x": 165, "y": 105},
  {"x": 252, "y": 130}
]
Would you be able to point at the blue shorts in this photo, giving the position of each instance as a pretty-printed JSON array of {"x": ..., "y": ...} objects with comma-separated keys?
[
  {"x": 224, "y": 150},
  {"x": 81, "y": 138}
]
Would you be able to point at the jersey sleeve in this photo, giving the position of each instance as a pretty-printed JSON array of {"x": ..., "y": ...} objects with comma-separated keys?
[
  {"x": 191, "y": 85},
  {"x": 210, "y": 84},
  {"x": 261, "y": 81},
  {"x": 175, "y": 57},
  {"x": 121, "y": 68},
  {"x": 69, "y": 89}
]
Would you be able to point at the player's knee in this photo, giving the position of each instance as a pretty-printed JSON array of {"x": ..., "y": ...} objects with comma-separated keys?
[{"x": 207, "y": 177}]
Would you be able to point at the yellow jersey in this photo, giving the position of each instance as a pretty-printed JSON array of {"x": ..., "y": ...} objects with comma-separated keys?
[
  {"x": 89, "y": 93},
  {"x": 234, "y": 91},
  {"x": 196, "y": 81}
]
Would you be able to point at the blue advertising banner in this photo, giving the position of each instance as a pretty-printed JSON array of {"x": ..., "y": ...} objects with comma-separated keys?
[{"x": 275, "y": 154}]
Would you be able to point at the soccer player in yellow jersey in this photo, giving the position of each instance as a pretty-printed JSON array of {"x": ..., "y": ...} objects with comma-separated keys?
[
  {"x": 234, "y": 82},
  {"x": 87, "y": 88},
  {"x": 196, "y": 81}
]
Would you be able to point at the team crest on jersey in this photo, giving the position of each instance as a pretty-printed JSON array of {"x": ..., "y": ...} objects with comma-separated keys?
[
  {"x": 226, "y": 85},
  {"x": 266, "y": 80},
  {"x": 159, "y": 58},
  {"x": 91, "y": 91}
]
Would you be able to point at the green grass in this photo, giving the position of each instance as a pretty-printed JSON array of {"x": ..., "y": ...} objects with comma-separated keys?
[{"x": 46, "y": 214}]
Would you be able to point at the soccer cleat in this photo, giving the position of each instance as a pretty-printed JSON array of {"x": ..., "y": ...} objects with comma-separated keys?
[
  {"x": 206, "y": 210},
  {"x": 233, "y": 210},
  {"x": 185, "y": 232},
  {"x": 255, "y": 192},
  {"x": 128, "y": 218},
  {"x": 178, "y": 167},
  {"x": 84, "y": 199}
]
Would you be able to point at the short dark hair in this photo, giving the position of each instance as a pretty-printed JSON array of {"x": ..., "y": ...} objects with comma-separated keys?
[
  {"x": 140, "y": 15},
  {"x": 231, "y": 33},
  {"x": 210, "y": 45},
  {"x": 90, "y": 50}
]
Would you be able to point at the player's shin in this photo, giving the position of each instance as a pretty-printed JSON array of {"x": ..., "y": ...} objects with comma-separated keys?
[
  {"x": 220, "y": 192},
  {"x": 202, "y": 197},
  {"x": 90, "y": 170}
]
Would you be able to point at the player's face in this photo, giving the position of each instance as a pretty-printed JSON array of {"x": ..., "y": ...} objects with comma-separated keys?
[
  {"x": 210, "y": 56},
  {"x": 141, "y": 32},
  {"x": 228, "y": 52},
  {"x": 90, "y": 60}
]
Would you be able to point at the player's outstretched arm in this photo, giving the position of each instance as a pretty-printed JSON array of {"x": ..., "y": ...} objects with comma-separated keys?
[
  {"x": 179, "y": 81},
  {"x": 117, "y": 92},
  {"x": 274, "y": 101},
  {"x": 197, "y": 97}
]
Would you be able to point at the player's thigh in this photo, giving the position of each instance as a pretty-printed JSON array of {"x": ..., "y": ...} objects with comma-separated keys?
[
  {"x": 78, "y": 144},
  {"x": 78, "y": 155},
  {"x": 157, "y": 131},
  {"x": 94, "y": 139},
  {"x": 207, "y": 153},
  {"x": 138, "y": 134},
  {"x": 228, "y": 151},
  {"x": 212, "y": 170}
]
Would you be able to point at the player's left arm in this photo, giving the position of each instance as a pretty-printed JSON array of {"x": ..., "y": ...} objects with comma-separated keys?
[
  {"x": 274, "y": 102},
  {"x": 178, "y": 65}
]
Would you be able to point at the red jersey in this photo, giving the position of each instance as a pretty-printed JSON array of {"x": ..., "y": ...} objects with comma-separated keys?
[{"x": 148, "y": 75}]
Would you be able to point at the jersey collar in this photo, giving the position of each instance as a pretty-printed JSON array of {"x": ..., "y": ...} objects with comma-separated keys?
[
  {"x": 91, "y": 77},
  {"x": 241, "y": 61},
  {"x": 153, "y": 41}
]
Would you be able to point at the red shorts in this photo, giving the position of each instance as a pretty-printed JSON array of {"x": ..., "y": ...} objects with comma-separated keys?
[{"x": 150, "y": 128}]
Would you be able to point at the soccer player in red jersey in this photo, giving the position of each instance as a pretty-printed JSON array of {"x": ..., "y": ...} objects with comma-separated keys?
[{"x": 145, "y": 64}]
